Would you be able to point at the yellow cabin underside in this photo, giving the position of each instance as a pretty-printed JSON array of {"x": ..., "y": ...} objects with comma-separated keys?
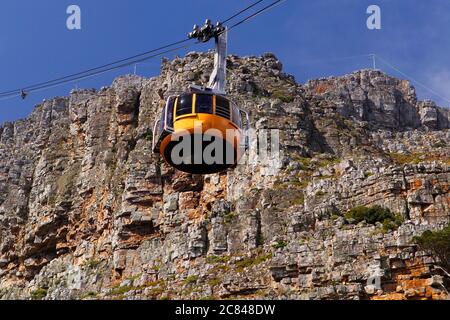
[{"x": 203, "y": 123}]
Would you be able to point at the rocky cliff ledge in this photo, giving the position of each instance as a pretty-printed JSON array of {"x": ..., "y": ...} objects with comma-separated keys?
[{"x": 86, "y": 210}]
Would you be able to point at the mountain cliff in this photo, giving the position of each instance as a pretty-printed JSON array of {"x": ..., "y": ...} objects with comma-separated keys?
[{"x": 88, "y": 212}]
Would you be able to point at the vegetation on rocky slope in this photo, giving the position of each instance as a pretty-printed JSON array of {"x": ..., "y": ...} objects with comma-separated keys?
[
  {"x": 375, "y": 214},
  {"x": 438, "y": 244}
]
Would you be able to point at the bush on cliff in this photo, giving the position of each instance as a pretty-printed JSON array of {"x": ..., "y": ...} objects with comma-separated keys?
[
  {"x": 436, "y": 243},
  {"x": 373, "y": 215}
]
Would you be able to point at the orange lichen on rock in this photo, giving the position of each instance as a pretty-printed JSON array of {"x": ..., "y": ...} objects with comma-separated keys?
[
  {"x": 416, "y": 184},
  {"x": 321, "y": 88}
]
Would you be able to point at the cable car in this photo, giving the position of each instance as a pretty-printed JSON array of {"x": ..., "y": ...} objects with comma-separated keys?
[{"x": 201, "y": 131}]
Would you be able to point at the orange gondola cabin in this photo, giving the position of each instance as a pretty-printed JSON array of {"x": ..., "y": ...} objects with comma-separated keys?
[{"x": 202, "y": 131}]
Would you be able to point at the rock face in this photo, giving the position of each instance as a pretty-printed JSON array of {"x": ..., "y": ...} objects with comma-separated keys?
[{"x": 87, "y": 211}]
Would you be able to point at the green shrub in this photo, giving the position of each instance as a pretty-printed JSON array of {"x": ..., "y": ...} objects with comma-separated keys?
[
  {"x": 436, "y": 243},
  {"x": 149, "y": 135},
  {"x": 214, "y": 282},
  {"x": 39, "y": 294},
  {"x": 119, "y": 290},
  {"x": 280, "y": 245},
  {"x": 284, "y": 95},
  {"x": 401, "y": 158},
  {"x": 92, "y": 263},
  {"x": 191, "y": 279},
  {"x": 155, "y": 292},
  {"x": 253, "y": 261},
  {"x": 229, "y": 217},
  {"x": 323, "y": 163},
  {"x": 303, "y": 161},
  {"x": 320, "y": 193},
  {"x": 368, "y": 174},
  {"x": 440, "y": 144},
  {"x": 373, "y": 215},
  {"x": 217, "y": 259}
]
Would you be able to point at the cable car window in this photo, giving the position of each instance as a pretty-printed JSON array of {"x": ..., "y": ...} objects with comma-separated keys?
[
  {"x": 236, "y": 116},
  {"x": 222, "y": 107},
  {"x": 163, "y": 119},
  {"x": 170, "y": 106},
  {"x": 184, "y": 105},
  {"x": 204, "y": 103}
]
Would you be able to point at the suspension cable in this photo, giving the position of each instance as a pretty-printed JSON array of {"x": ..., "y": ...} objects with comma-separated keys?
[
  {"x": 130, "y": 60},
  {"x": 31, "y": 87},
  {"x": 242, "y": 11},
  {"x": 257, "y": 13}
]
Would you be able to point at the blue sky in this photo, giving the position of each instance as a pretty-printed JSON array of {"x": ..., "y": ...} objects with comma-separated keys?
[{"x": 312, "y": 38}]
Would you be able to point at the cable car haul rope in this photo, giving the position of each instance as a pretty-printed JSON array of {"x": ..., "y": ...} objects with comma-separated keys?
[{"x": 151, "y": 54}]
